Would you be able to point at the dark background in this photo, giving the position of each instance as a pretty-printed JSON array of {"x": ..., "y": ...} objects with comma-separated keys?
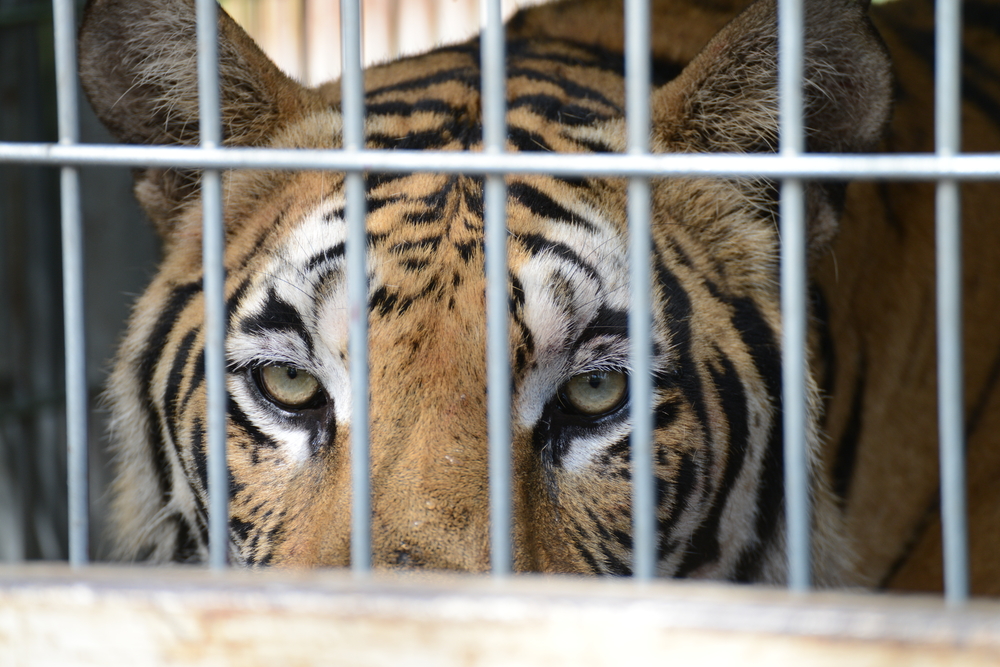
[{"x": 121, "y": 252}]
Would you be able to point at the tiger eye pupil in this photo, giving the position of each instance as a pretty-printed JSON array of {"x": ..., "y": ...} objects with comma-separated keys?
[
  {"x": 595, "y": 393},
  {"x": 288, "y": 386}
]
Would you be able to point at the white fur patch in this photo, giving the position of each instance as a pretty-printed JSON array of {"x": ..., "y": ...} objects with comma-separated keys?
[
  {"x": 561, "y": 299},
  {"x": 318, "y": 293}
]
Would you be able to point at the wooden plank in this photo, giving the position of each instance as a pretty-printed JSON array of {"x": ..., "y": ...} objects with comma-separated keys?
[{"x": 144, "y": 616}]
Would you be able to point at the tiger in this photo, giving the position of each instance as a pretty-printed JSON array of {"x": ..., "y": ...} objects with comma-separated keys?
[{"x": 716, "y": 329}]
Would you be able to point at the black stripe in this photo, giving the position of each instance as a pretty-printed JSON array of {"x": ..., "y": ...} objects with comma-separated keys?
[
  {"x": 760, "y": 339},
  {"x": 428, "y": 242},
  {"x": 842, "y": 472},
  {"x": 405, "y": 109},
  {"x": 256, "y": 437},
  {"x": 414, "y": 141},
  {"x": 582, "y": 55},
  {"x": 537, "y": 244},
  {"x": 683, "y": 487},
  {"x": 827, "y": 361},
  {"x": 613, "y": 564},
  {"x": 465, "y": 75},
  {"x": 385, "y": 302},
  {"x": 197, "y": 439},
  {"x": 375, "y": 180},
  {"x": 590, "y": 57},
  {"x": 621, "y": 450},
  {"x": 607, "y": 322},
  {"x": 178, "y": 301},
  {"x": 324, "y": 256},
  {"x": 677, "y": 311},
  {"x": 527, "y": 141},
  {"x": 170, "y": 398},
  {"x": 336, "y": 214},
  {"x": 185, "y": 545},
  {"x": 472, "y": 196},
  {"x": 578, "y": 543},
  {"x": 277, "y": 315},
  {"x": 198, "y": 372},
  {"x": 571, "y": 88},
  {"x": 524, "y": 350},
  {"x": 552, "y": 108},
  {"x": 240, "y": 529},
  {"x": 200, "y": 456},
  {"x": 705, "y": 546}
]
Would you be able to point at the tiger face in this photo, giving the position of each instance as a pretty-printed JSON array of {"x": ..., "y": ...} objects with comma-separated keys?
[{"x": 716, "y": 326}]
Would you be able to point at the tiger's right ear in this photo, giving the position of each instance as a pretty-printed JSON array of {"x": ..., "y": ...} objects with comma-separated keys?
[
  {"x": 726, "y": 99},
  {"x": 138, "y": 66}
]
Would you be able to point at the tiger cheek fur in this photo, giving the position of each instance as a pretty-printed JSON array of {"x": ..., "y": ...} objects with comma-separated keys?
[{"x": 716, "y": 323}]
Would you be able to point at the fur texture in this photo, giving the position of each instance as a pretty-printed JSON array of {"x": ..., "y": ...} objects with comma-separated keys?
[{"x": 717, "y": 327}]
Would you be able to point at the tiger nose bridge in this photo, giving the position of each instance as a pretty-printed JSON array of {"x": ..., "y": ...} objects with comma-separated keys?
[{"x": 430, "y": 501}]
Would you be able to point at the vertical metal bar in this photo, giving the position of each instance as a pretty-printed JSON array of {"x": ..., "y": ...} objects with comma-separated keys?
[
  {"x": 353, "y": 109},
  {"x": 214, "y": 286},
  {"x": 72, "y": 260},
  {"x": 640, "y": 322},
  {"x": 493, "y": 58},
  {"x": 947, "y": 84},
  {"x": 793, "y": 295}
]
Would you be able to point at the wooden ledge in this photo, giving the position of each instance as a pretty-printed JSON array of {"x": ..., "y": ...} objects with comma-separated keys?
[{"x": 103, "y": 615}]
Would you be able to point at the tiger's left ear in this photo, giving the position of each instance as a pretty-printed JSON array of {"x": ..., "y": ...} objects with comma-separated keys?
[
  {"x": 138, "y": 66},
  {"x": 726, "y": 99}
]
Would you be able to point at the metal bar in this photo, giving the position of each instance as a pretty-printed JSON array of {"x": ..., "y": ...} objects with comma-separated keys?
[
  {"x": 949, "y": 304},
  {"x": 73, "y": 298},
  {"x": 793, "y": 298},
  {"x": 640, "y": 322},
  {"x": 210, "y": 125},
  {"x": 353, "y": 110},
  {"x": 493, "y": 59},
  {"x": 793, "y": 307},
  {"x": 912, "y": 167}
]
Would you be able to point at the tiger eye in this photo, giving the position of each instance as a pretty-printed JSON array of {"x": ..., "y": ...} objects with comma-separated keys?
[
  {"x": 289, "y": 387},
  {"x": 595, "y": 393}
]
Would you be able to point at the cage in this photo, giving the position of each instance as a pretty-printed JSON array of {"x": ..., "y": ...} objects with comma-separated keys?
[{"x": 98, "y": 614}]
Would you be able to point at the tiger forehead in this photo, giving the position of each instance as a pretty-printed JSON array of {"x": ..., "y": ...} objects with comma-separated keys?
[{"x": 557, "y": 92}]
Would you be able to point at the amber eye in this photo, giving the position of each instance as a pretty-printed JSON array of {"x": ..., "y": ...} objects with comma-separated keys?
[
  {"x": 596, "y": 393},
  {"x": 291, "y": 388}
]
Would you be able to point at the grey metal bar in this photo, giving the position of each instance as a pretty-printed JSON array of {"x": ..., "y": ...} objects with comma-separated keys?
[
  {"x": 213, "y": 250},
  {"x": 912, "y": 167},
  {"x": 637, "y": 86},
  {"x": 64, "y": 25},
  {"x": 493, "y": 59},
  {"x": 353, "y": 110},
  {"x": 793, "y": 307},
  {"x": 793, "y": 295},
  {"x": 73, "y": 298},
  {"x": 951, "y": 412}
]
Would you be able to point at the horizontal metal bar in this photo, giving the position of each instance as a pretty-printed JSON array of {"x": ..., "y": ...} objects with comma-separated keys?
[{"x": 919, "y": 166}]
